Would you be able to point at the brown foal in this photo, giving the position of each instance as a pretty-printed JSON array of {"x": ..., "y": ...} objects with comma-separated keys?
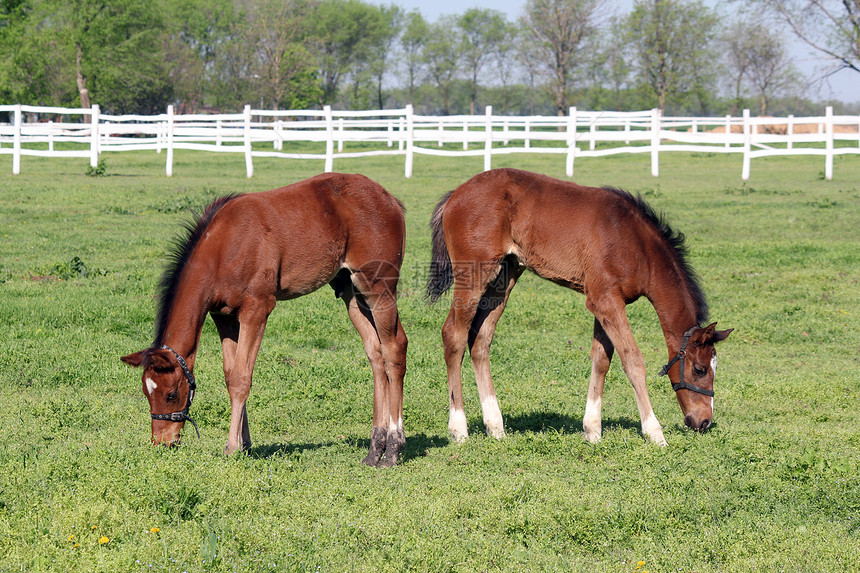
[
  {"x": 602, "y": 242},
  {"x": 246, "y": 252}
]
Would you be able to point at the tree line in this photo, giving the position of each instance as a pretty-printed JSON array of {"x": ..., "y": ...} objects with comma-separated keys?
[{"x": 681, "y": 56}]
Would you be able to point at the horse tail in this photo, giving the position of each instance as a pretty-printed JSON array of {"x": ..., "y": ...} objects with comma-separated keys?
[{"x": 441, "y": 271}]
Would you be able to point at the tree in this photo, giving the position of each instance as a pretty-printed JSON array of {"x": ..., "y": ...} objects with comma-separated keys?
[
  {"x": 829, "y": 27},
  {"x": 340, "y": 35},
  {"x": 416, "y": 33},
  {"x": 197, "y": 32},
  {"x": 281, "y": 64},
  {"x": 769, "y": 67},
  {"x": 382, "y": 46},
  {"x": 480, "y": 31},
  {"x": 560, "y": 29},
  {"x": 672, "y": 41},
  {"x": 441, "y": 58},
  {"x": 504, "y": 57}
]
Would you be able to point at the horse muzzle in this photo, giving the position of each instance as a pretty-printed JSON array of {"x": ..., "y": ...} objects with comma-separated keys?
[{"x": 697, "y": 424}]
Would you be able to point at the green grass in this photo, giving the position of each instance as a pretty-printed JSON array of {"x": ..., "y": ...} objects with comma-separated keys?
[{"x": 773, "y": 486}]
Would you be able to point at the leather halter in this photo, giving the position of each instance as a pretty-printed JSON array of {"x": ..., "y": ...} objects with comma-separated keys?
[
  {"x": 679, "y": 357},
  {"x": 181, "y": 415}
]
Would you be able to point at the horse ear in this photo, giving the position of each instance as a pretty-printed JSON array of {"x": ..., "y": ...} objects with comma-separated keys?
[
  {"x": 721, "y": 335},
  {"x": 134, "y": 360},
  {"x": 712, "y": 335}
]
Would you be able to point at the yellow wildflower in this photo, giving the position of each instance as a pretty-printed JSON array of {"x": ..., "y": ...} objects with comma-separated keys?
[
  {"x": 71, "y": 537},
  {"x": 104, "y": 539},
  {"x": 154, "y": 530}
]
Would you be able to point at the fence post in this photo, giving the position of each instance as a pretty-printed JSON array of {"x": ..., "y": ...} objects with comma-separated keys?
[
  {"x": 527, "y": 128},
  {"x": 339, "y": 135},
  {"x": 329, "y": 140},
  {"x": 94, "y": 134},
  {"x": 249, "y": 162},
  {"x": 789, "y": 131},
  {"x": 401, "y": 127},
  {"x": 655, "y": 142},
  {"x": 488, "y": 141},
  {"x": 728, "y": 131},
  {"x": 828, "y": 143},
  {"x": 51, "y": 136},
  {"x": 465, "y": 134},
  {"x": 745, "y": 172},
  {"x": 410, "y": 133},
  {"x": 169, "y": 134},
  {"x": 16, "y": 142},
  {"x": 390, "y": 133},
  {"x": 592, "y": 133},
  {"x": 571, "y": 141}
]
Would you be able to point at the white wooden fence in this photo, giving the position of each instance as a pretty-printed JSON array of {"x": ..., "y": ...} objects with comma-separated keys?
[{"x": 580, "y": 134}]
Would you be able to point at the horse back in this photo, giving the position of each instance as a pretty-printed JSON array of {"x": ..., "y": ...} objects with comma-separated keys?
[
  {"x": 584, "y": 238},
  {"x": 296, "y": 238}
]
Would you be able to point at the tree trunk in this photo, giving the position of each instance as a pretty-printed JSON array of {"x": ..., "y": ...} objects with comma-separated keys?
[{"x": 79, "y": 74}]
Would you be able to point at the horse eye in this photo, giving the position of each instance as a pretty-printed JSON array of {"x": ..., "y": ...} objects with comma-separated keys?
[
  {"x": 698, "y": 370},
  {"x": 172, "y": 396}
]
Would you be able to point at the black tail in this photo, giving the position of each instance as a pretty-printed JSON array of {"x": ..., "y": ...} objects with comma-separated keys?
[{"x": 441, "y": 272}]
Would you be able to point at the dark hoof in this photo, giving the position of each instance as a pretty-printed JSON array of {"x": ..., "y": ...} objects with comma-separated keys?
[
  {"x": 377, "y": 447},
  {"x": 393, "y": 446}
]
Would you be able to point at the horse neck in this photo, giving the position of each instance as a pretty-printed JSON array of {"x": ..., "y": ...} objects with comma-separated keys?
[
  {"x": 676, "y": 311},
  {"x": 185, "y": 322}
]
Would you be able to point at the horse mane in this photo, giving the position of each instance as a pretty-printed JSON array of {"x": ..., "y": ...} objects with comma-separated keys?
[
  {"x": 676, "y": 241},
  {"x": 182, "y": 247}
]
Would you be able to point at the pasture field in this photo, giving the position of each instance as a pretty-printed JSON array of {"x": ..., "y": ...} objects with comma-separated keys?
[{"x": 772, "y": 487}]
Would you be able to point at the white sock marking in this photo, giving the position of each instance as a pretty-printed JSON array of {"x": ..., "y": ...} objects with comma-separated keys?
[
  {"x": 591, "y": 421},
  {"x": 493, "y": 417},
  {"x": 457, "y": 425}
]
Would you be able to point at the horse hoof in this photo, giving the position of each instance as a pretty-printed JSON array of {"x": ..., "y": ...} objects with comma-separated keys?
[
  {"x": 498, "y": 433},
  {"x": 459, "y": 438},
  {"x": 593, "y": 437},
  {"x": 372, "y": 460},
  {"x": 387, "y": 462}
]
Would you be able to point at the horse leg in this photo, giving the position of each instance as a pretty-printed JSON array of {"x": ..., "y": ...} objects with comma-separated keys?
[
  {"x": 252, "y": 324},
  {"x": 228, "y": 330},
  {"x": 601, "y": 356},
  {"x": 361, "y": 318},
  {"x": 610, "y": 311},
  {"x": 373, "y": 311},
  {"x": 490, "y": 310},
  {"x": 470, "y": 283}
]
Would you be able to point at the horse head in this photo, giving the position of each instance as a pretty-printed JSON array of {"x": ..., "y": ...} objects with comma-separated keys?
[
  {"x": 164, "y": 384},
  {"x": 693, "y": 377}
]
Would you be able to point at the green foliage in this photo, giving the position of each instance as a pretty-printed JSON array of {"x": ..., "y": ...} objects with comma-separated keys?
[
  {"x": 774, "y": 484},
  {"x": 100, "y": 170}
]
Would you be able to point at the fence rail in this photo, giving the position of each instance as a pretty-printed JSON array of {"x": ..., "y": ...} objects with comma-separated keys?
[{"x": 35, "y": 131}]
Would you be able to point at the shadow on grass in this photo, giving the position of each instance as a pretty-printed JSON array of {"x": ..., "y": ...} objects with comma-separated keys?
[
  {"x": 417, "y": 445},
  {"x": 554, "y": 421},
  {"x": 286, "y": 450}
]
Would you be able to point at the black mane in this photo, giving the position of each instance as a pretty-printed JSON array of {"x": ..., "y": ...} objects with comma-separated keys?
[
  {"x": 676, "y": 240},
  {"x": 183, "y": 246}
]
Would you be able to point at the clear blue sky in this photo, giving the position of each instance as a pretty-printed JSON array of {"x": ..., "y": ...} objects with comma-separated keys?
[{"x": 844, "y": 86}]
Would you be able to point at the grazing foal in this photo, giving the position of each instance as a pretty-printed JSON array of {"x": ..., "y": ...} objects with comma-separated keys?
[
  {"x": 604, "y": 243},
  {"x": 246, "y": 252}
]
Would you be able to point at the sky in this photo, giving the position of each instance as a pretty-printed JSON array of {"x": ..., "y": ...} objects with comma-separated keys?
[{"x": 844, "y": 85}]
